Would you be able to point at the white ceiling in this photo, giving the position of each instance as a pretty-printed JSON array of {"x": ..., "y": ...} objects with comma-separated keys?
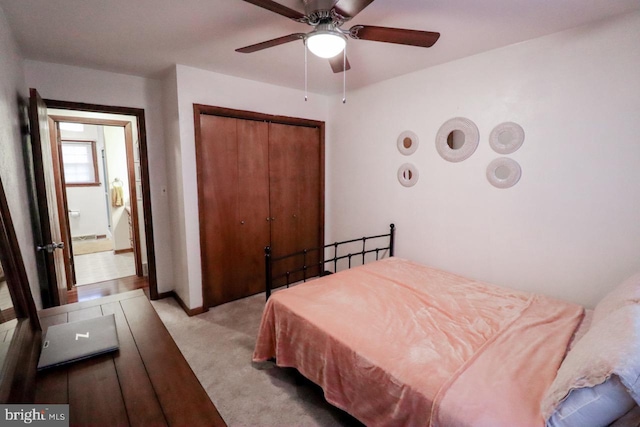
[{"x": 146, "y": 37}]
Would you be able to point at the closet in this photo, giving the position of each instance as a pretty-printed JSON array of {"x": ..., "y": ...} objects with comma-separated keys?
[{"x": 260, "y": 183}]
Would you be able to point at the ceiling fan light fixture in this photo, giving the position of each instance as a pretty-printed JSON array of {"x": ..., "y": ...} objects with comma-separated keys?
[{"x": 326, "y": 44}]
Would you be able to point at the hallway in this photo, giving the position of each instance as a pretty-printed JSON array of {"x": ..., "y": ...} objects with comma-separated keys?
[
  {"x": 101, "y": 266},
  {"x": 109, "y": 287}
]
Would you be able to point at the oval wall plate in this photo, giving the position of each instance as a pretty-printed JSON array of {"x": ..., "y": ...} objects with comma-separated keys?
[
  {"x": 506, "y": 138},
  {"x": 504, "y": 172},
  {"x": 408, "y": 142},
  {"x": 408, "y": 175},
  {"x": 457, "y": 139}
]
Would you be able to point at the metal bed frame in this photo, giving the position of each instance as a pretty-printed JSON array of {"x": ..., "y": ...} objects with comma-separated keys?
[{"x": 304, "y": 268}]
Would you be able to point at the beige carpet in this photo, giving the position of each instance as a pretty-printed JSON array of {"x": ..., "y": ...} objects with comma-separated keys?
[
  {"x": 218, "y": 345},
  {"x": 83, "y": 247}
]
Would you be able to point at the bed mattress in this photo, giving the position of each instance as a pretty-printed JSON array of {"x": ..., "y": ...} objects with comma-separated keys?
[{"x": 398, "y": 343}]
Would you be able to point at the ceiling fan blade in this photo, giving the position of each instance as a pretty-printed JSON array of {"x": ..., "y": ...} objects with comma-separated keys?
[
  {"x": 271, "y": 43},
  {"x": 350, "y": 8},
  {"x": 279, "y": 9},
  {"x": 394, "y": 35},
  {"x": 337, "y": 64}
]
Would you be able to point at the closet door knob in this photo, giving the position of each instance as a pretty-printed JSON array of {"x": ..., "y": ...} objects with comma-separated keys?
[
  {"x": 241, "y": 222},
  {"x": 268, "y": 219}
]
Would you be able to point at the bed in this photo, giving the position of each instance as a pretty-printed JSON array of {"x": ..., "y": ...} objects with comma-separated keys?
[{"x": 394, "y": 342}]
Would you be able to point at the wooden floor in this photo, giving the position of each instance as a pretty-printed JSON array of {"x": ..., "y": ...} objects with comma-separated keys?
[
  {"x": 110, "y": 287},
  {"x": 147, "y": 382}
]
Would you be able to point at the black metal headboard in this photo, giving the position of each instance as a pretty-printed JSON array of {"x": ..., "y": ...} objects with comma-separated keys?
[{"x": 313, "y": 263}]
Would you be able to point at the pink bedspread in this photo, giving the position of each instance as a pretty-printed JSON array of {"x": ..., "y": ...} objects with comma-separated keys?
[{"x": 397, "y": 343}]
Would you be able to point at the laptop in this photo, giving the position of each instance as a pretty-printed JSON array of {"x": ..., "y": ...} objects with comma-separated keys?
[{"x": 74, "y": 341}]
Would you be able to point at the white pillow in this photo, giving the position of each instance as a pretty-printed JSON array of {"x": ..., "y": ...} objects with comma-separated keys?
[
  {"x": 595, "y": 406},
  {"x": 610, "y": 347},
  {"x": 628, "y": 292}
]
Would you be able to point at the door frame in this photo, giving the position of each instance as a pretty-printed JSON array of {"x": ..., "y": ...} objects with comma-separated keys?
[
  {"x": 138, "y": 113},
  {"x": 128, "y": 137}
]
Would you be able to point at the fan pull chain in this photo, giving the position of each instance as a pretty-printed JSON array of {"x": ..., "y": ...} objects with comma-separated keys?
[
  {"x": 306, "y": 78},
  {"x": 344, "y": 75}
]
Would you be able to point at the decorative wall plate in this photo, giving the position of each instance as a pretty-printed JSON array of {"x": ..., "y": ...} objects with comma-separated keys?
[
  {"x": 457, "y": 139},
  {"x": 504, "y": 172},
  {"x": 408, "y": 175},
  {"x": 408, "y": 142},
  {"x": 506, "y": 138}
]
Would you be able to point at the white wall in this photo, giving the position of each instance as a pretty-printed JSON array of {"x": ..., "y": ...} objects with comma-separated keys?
[
  {"x": 569, "y": 228},
  {"x": 203, "y": 87},
  {"x": 116, "y": 153},
  {"x": 69, "y": 83},
  {"x": 88, "y": 203},
  {"x": 174, "y": 180},
  {"x": 12, "y": 170}
]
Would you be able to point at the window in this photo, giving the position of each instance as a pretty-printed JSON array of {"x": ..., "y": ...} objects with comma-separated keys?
[{"x": 80, "y": 163}]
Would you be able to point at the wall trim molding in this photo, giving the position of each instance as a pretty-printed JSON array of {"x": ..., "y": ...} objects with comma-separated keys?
[
  {"x": 122, "y": 251},
  {"x": 190, "y": 311}
]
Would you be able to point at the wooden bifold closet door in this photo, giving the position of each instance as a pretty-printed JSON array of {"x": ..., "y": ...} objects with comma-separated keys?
[
  {"x": 259, "y": 184},
  {"x": 294, "y": 185}
]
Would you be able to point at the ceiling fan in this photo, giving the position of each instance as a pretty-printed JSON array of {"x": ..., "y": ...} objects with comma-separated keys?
[{"x": 327, "y": 39}]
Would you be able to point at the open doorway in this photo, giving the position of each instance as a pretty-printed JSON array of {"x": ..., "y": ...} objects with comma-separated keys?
[
  {"x": 107, "y": 157},
  {"x": 99, "y": 200}
]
